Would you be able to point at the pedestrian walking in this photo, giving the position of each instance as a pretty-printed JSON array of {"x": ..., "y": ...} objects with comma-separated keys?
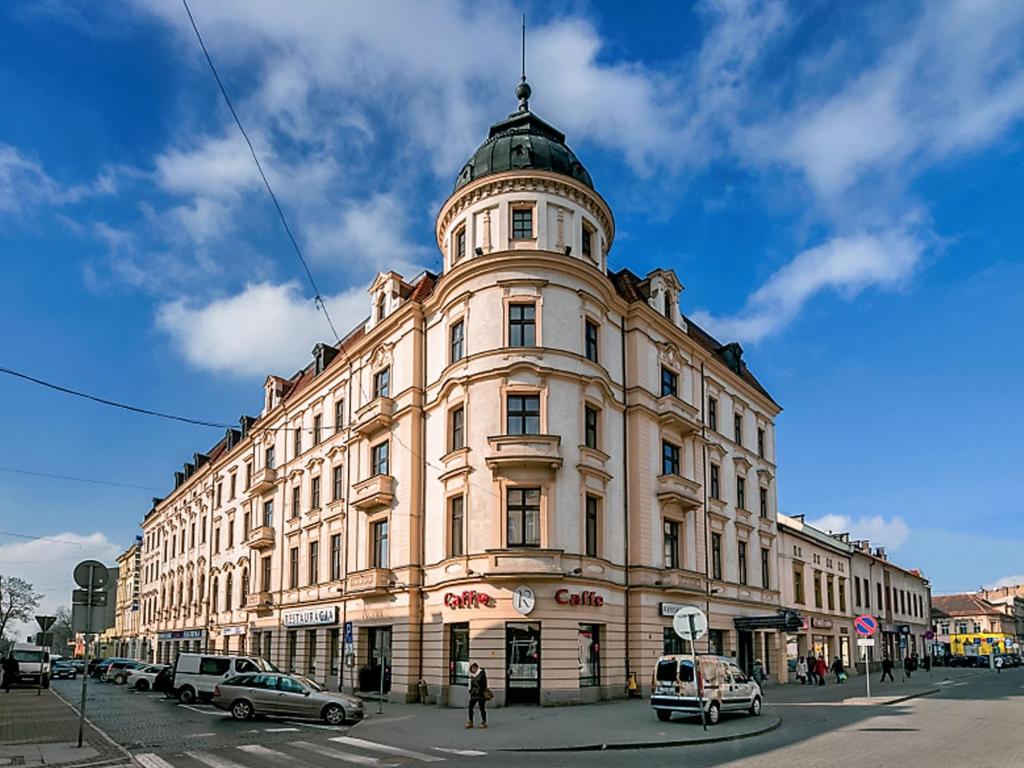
[
  {"x": 887, "y": 669},
  {"x": 839, "y": 670},
  {"x": 479, "y": 694},
  {"x": 758, "y": 674},
  {"x": 11, "y": 672},
  {"x": 908, "y": 668},
  {"x": 820, "y": 669},
  {"x": 927, "y": 663},
  {"x": 801, "y": 670},
  {"x": 999, "y": 664}
]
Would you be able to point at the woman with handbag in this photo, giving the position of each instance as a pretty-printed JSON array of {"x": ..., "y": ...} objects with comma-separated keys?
[{"x": 479, "y": 694}]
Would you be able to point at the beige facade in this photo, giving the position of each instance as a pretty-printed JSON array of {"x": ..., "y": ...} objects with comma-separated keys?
[
  {"x": 815, "y": 569},
  {"x": 527, "y": 461},
  {"x": 125, "y": 635}
]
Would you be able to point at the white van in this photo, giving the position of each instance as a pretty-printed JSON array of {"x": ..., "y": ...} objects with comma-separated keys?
[
  {"x": 723, "y": 687},
  {"x": 33, "y": 663},
  {"x": 197, "y": 674}
]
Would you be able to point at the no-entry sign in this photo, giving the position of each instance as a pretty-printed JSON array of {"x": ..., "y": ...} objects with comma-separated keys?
[{"x": 865, "y": 624}]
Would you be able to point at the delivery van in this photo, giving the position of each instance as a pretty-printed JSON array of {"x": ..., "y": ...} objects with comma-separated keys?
[
  {"x": 195, "y": 675},
  {"x": 723, "y": 687}
]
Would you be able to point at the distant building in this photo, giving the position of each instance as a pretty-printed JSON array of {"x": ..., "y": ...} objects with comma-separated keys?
[{"x": 967, "y": 624}]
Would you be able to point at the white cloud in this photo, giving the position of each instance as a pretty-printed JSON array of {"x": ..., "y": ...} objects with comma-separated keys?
[
  {"x": 267, "y": 328},
  {"x": 48, "y": 564},
  {"x": 846, "y": 265},
  {"x": 25, "y": 184},
  {"x": 876, "y": 529},
  {"x": 1006, "y": 581}
]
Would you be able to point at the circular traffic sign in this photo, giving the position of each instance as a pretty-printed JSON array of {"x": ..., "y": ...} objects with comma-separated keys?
[
  {"x": 865, "y": 624},
  {"x": 690, "y": 623},
  {"x": 929, "y": 635},
  {"x": 91, "y": 574}
]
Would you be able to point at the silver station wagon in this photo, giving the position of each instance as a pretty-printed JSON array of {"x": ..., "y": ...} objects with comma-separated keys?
[{"x": 271, "y": 693}]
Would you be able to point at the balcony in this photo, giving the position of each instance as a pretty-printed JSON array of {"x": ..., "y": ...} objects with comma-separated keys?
[
  {"x": 263, "y": 537},
  {"x": 676, "y": 489},
  {"x": 372, "y": 580},
  {"x": 373, "y": 492},
  {"x": 259, "y": 600},
  {"x": 263, "y": 480},
  {"x": 675, "y": 413},
  {"x": 523, "y": 451},
  {"x": 376, "y": 416},
  {"x": 677, "y": 578}
]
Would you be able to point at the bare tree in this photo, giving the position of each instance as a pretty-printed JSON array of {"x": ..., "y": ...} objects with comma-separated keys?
[
  {"x": 18, "y": 601},
  {"x": 62, "y": 630}
]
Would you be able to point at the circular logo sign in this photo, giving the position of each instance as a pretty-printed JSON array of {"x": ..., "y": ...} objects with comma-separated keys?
[
  {"x": 523, "y": 600},
  {"x": 865, "y": 624}
]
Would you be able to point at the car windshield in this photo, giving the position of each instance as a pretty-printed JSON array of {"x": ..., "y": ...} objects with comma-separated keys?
[
  {"x": 309, "y": 683},
  {"x": 263, "y": 665},
  {"x": 29, "y": 656}
]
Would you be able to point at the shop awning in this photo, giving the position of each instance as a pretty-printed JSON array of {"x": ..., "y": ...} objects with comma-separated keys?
[{"x": 786, "y": 621}]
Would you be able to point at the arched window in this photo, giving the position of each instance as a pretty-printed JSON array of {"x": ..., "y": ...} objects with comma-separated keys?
[
  {"x": 380, "y": 308},
  {"x": 228, "y": 589},
  {"x": 668, "y": 303},
  {"x": 244, "y": 597},
  {"x": 213, "y": 594}
]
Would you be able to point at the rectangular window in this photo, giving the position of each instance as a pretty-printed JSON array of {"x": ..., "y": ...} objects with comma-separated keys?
[
  {"x": 248, "y": 474},
  {"x": 586, "y": 241},
  {"x": 523, "y": 510},
  {"x": 763, "y": 502},
  {"x": 232, "y": 486},
  {"x": 231, "y": 533},
  {"x": 458, "y": 654},
  {"x": 335, "y": 557},
  {"x": 458, "y": 334},
  {"x": 671, "y": 643},
  {"x": 291, "y": 650},
  {"x": 381, "y": 551},
  {"x": 314, "y": 492},
  {"x": 669, "y": 382},
  {"x": 798, "y": 585},
  {"x": 842, "y": 595},
  {"x": 590, "y": 654},
  {"x": 669, "y": 458},
  {"x": 296, "y": 501},
  {"x": 379, "y": 458},
  {"x": 741, "y": 553},
  {"x": 268, "y": 512},
  {"x": 460, "y": 244},
  {"x": 522, "y": 325},
  {"x": 766, "y": 573},
  {"x": 314, "y": 562},
  {"x": 382, "y": 383},
  {"x": 456, "y": 519},
  {"x": 339, "y": 415},
  {"x": 879, "y": 603},
  {"x": 523, "y": 416},
  {"x": 713, "y": 413},
  {"x": 671, "y": 543},
  {"x": 522, "y": 223},
  {"x": 590, "y": 340},
  {"x": 737, "y": 429},
  {"x": 716, "y": 490},
  {"x": 817, "y": 589},
  {"x": 458, "y": 428},
  {"x": 293, "y": 568},
  {"x": 270, "y": 458},
  {"x": 590, "y": 427},
  {"x": 338, "y": 483},
  {"x": 297, "y": 431},
  {"x": 856, "y": 591},
  {"x": 590, "y": 525},
  {"x": 741, "y": 493},
  {"x": 219, "y": 494},
  {"x": 830, "y": 591},
  {"x": 760, "y": 442},
  {"x": 318, "y": 423},
  {"x": 216, "y": 539},
  {"x": 265, "y": 566}
]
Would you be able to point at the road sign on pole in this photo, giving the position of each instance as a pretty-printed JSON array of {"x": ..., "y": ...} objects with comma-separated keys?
[
  {"x": 92, "y": 576},
  {"x": 865, "y": 624},
  {"x": 866, "y": 642},
  {"x": 45, "y": 622}
]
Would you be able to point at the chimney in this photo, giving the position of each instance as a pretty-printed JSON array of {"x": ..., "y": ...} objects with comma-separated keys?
[{"x": 880, "y": 553}]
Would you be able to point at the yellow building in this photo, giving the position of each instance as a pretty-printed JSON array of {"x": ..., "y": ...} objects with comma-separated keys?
[{"x": 968, "y": 625}]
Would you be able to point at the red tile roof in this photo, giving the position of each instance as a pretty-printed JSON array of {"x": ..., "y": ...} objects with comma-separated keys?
[{"x": 964, "y": 605}]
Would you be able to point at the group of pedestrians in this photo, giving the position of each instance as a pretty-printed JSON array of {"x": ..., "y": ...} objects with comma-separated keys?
[
  {"x": 911, "y": 663},
  {"x": 811, "y": 670}
]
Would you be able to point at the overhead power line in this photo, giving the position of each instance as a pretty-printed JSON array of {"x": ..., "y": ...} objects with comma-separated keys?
[
  {"x": 80, "y": 479},
  {"x": 112, "y": 403},
  {"x": 318, "y": 299},
  {"x": 42, "y": 538}
]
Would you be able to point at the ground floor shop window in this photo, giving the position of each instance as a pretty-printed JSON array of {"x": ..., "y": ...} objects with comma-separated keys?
[
  {"x": 458, "y": 654},
  {"x": 290, "y": 650},
  {"x": 844, "y": 651},
  {"x": 378, "y": 662},
  {"x": 332, "y": 652},
  {"x": 716, "y": 641},
  {"x": 590, "y": 654},
  {"x": 266, "y": 637},
  {"x": 311, "y": 652},
  {"x": 673, "y": 643}
]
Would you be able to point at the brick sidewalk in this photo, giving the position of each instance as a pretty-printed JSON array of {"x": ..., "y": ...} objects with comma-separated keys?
[{"x": 43, "y": 730}]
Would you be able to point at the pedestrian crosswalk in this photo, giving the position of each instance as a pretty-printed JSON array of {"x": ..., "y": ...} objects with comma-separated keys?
[{"x": 337, "y": 751}]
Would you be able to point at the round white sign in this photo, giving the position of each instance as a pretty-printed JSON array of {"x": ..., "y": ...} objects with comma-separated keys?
[
  {"x": 687, "y": 617},
  {"x": 523, "y": 600}
]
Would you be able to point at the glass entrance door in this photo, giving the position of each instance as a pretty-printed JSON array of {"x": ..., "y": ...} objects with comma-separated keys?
[
  {"x": 378, "y": 660},
  {"x": 522, "y": 663},
  {"x": 746, "y": 650}
]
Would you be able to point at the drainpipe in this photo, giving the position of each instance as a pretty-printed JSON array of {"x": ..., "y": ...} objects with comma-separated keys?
[
  {"x": 625, "y": 483},
  {"x": 420, "y": 596},
  {"x": 344, "y": 575},
  {"x": 704, "y": 461}
]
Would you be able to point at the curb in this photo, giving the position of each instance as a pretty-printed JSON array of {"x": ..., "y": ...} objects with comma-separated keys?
[
  {"x": 769, "y": 727},
  {"x": 910, "y": 696},
  {"x": 126, "y": 755}
]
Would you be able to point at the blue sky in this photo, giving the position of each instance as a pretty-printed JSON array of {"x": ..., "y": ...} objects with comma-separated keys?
[{"x": 837, "y": 187}]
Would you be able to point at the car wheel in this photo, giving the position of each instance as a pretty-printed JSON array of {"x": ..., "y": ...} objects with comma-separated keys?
[
  {"x": 242, "y": 710},
  {"x": 186, "y": 695},
  {"x": 142, "y": 685},
  {"x": 119, "y": 679},
  {"x": 664, "y": 715},
  {"x": 755, "y": 706},
  {"x": 334, "y": 714},
  {"x": 714, "y": 713}
]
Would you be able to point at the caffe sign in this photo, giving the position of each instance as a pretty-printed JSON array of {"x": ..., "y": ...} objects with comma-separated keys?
[
  {"x": 307, "y": 617},
  {"x": 468, "y": 599}
]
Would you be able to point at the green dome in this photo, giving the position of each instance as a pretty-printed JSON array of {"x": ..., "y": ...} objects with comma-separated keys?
[{"x": 523, "y": 142}]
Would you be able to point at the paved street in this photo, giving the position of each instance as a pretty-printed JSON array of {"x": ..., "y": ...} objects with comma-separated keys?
[{"x": 956, "y": 717}]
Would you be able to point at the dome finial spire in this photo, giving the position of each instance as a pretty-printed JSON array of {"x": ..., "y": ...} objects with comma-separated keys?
[{"x": 523, "y": 90}]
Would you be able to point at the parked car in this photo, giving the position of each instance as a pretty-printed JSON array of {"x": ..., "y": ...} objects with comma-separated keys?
[
  {"x": 117, "y": 672},
  {"x": 33, "y": 663},
  {"x": 196, "y": 674},
  {"x": 100, "y": 667},
  {"x": 246, "y": 696},
  {"x": 143, "y": 677},
  {"x": 1015, "y": 659},
  {"x": 63, "y": 670},
  {"x": 723, "y": 687}
]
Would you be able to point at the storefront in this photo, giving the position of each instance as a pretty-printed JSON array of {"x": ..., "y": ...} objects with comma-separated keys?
[
  {"x": 170, "y": 644},
  {"x": 824, "y": 636}
]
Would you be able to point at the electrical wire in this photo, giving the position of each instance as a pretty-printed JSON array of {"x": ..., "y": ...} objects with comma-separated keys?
[
  {"x": 80, "y": 479},
  {"x": 317, "y": 298},
  {"x": 41, "y": 538}
]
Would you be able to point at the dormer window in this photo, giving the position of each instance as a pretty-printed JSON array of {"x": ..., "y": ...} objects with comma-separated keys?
[{"x": 380, "y": 308}]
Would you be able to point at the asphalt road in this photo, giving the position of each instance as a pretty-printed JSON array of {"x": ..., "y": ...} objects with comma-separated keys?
[{"x": 971, "y": 721}]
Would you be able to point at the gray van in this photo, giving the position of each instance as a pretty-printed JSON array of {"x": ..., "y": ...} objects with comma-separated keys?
[{"x": 723, "y": 687}]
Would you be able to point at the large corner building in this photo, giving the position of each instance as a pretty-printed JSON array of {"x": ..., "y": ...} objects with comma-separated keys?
[{"x": 528, "y": 461}]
